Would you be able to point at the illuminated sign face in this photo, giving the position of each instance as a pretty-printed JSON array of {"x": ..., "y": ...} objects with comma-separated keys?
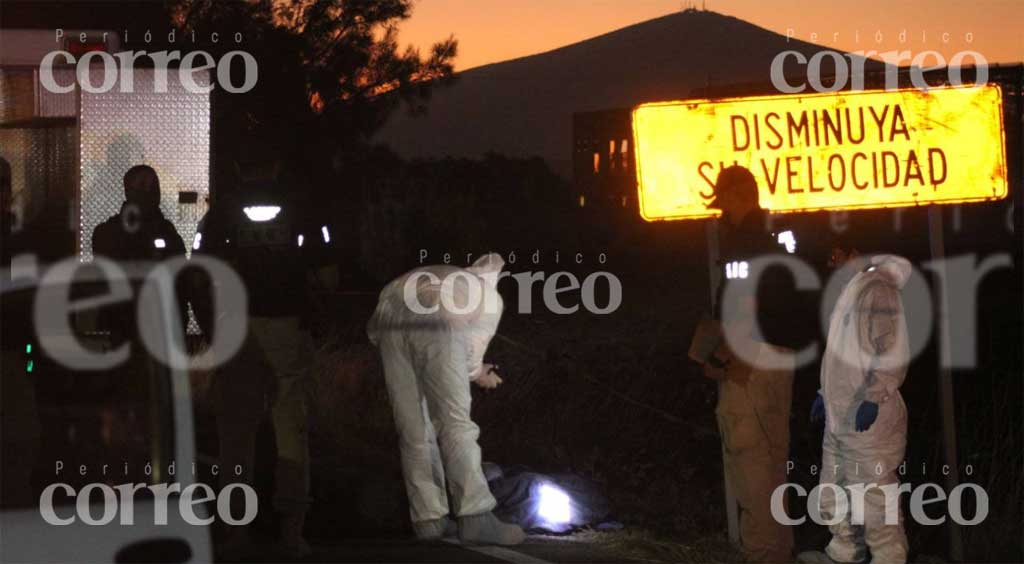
[{"x": 846, "y": 150}]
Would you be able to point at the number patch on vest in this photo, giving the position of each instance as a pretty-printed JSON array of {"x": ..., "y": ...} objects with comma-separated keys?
[{"x": 736, "y": 269}]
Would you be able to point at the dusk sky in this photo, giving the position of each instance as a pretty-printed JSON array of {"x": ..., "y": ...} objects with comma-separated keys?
[{"x": 495, "y": 31}]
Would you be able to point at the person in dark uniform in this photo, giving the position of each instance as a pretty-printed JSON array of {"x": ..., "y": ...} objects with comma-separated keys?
[
  {"x": 754, "y": 394},
  {"x": 19, "y": 417},
  {"x": 281, "y": 253},
  {"x": 139, "y": 233}
]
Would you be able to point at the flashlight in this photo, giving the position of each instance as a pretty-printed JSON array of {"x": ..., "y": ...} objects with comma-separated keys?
[
  {"x": 553, "y": 505},
  {"x": 261, "y": 213}
]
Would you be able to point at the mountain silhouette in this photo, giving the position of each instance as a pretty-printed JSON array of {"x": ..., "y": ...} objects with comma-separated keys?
[{"x": 523, "y": 107}]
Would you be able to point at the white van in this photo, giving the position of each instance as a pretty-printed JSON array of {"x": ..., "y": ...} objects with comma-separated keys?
[
  {"x": 71, "y": 437},
  {"x": 88, "y": 453}
]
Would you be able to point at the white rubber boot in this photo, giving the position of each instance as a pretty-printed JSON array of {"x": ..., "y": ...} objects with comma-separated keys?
[
  {"x": 435, "y": 529},
  {"x": 485, "y": 528}
]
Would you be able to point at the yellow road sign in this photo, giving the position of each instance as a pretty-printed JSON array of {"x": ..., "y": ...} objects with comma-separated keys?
[{"x": 840, "y": 150}]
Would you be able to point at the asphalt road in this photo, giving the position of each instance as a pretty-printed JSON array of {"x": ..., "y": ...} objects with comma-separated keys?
[{"x": 536, "y": 550}]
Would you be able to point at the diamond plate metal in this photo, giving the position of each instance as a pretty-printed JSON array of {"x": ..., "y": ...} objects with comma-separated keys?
[
  {"x": 16, "y": 95},
  {"x": 23, "y": 96},
  {"x": 169, "y": 131},
  {"x": 51, "y": 104},
  {"x": 42, "y": 171}
]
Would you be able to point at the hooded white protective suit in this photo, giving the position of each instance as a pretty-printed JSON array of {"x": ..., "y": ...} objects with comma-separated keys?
[
  {"x": 432, "y": 326},
  {"x": 866, "y": 360}
]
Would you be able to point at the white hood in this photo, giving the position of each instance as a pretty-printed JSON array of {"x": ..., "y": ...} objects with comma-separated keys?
[
  {"x": 852, "y": 369},
  {"x": 896, "y": 268},
  {"x": 474, "y": 324}
]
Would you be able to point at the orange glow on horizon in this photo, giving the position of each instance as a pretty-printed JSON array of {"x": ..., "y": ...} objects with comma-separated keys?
[{"x": 490, "y": 32}]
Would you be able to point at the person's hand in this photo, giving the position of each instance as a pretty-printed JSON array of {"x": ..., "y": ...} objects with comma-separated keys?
[
  {"x": 489, "y": 379},
  {"x": 482, "y": 370},
  {"x": 818, "y": 409},
  {"x": 866, "y": 415}
]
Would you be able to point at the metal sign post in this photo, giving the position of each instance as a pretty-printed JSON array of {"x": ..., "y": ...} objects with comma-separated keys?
[
  {"x": 714, "y": 278},
  {"x": 938, "y": 251}
]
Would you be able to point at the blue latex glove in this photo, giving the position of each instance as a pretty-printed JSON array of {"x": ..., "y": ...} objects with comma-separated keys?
[
  {"x": 866, "y": 415},
  {"x": 818, "y": 409}
]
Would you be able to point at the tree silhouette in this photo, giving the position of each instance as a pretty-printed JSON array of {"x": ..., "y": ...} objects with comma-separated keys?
[{"x": 330, "y": 71}]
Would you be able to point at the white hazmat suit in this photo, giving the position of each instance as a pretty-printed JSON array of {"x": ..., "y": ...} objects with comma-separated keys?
[
  {"x": 866, "y": 360},
  {"x": 432, "y": 326}
]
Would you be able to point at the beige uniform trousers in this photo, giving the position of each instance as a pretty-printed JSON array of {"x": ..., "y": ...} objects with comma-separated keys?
[{"x": 754, "y": 424}]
